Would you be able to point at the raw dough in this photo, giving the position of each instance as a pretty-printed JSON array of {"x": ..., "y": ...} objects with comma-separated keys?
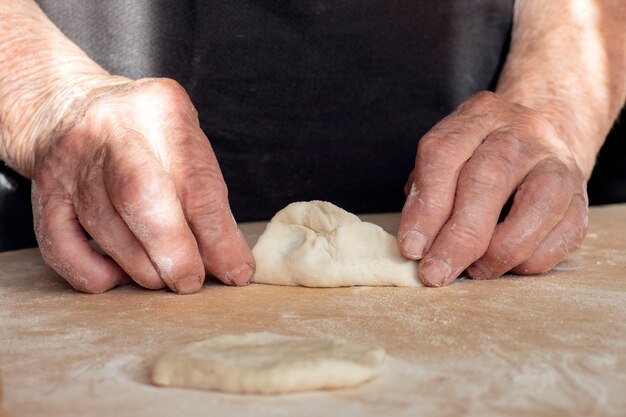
[
  {"x": 267, "y": 363},
  {"x": 317, "y": 244}
]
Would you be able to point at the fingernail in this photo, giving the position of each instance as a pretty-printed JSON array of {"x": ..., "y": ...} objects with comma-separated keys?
[
  {"x": 413, "y": 244},
  {"x": 188, "y": 284},
  {"x": 240, "y": 275},
  {"x": 478, "y": 270},
  {"x": 435, "y": 271}
]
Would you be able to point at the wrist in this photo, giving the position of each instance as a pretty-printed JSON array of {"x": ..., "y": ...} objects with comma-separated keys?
[
  {"x": 37, "y": 116},
  {"x": 59, "y": 112},
  {"x": 44, "y": 77}
]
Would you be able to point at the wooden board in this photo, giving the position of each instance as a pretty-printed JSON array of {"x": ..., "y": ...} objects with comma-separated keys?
[{"x": 538, "y": 346}]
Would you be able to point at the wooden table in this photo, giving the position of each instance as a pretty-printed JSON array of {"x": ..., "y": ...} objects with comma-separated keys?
[{"x": 547, "y": 345}]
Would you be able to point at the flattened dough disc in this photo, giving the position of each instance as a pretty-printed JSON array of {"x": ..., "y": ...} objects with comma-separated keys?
[{"x": 267, "y": 363}]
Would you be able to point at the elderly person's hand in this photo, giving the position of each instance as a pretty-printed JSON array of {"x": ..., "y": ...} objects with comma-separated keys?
[
  {"x": 136, "y": 171},
  {"x": 535, "y": 142},
  {"x": 466, "y": 169},
  {"x": 125, "y": 160}
]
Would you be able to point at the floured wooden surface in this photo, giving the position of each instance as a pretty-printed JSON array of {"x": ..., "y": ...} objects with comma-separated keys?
[{"x": 539, "y": 346}]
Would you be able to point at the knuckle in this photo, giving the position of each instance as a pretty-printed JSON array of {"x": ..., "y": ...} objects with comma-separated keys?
[
  {"x": 125, "y": 171},
  {"x": 534, "y": 125},
  {"x": 502, "y": 154},
  {"x": 433, "y": 203},
  {"x": 483, "y": 98},
  {"x": 440, "y": 144},
  {"x": 429, "y": 197},
  {"x": 507, "y": 253},
  {"x": 542, "y": 198},
  {"x": 171, "y": 98},
  {"x": 162, "y": 99},
  {"x": 203, "y": 194},
  {"x": 141, "y": 188},
  {"x": 552, "y": 164},
  {"x": 168, "y": 85},
  {"x": 484, "y": 183},
  {"x": 549, "y": 187},
  {"x": 557, "y": 175},
  {"x": 429, "y": 146},
  {"x": 470, "y": 238},
  {"x": 93, "y": 214}
]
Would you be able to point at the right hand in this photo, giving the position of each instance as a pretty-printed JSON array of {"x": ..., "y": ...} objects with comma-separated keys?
[{"x": 137, "y": 172}]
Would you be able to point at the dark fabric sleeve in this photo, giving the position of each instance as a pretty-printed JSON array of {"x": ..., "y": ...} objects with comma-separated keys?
[{"x": 16, "y": 218}]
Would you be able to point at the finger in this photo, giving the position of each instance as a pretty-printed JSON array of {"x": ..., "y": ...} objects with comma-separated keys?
[
  {"x": 204, "y": 196},
  {"x": 564, "y": 238},
  {"x": 484, "y": 185},
  {"x": 64, "y": 247},
  {"x": 99, "y": 218},
  {"x": 539, "y": 204},
  {"x": 145, "y": 197},
  {"x": 441, "y": 154}
]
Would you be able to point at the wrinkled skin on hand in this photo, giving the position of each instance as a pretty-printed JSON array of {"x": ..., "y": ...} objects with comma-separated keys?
[
  {"x": 467, "y": 167},
  {"x": 137, "y": 172}
]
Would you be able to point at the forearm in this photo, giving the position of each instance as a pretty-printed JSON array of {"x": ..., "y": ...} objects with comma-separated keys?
[
  {"x": 44, "y": 77},
  {"x": 568, "y": 61}
]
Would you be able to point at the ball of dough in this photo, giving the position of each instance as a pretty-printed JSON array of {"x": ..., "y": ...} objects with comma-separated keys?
[
  {"x": 267, "y": 363},
  {"x": 317, "y": 244}
]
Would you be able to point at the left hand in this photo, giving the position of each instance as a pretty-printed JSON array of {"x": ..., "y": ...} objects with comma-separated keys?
[{"x": 467, "y": 167}]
